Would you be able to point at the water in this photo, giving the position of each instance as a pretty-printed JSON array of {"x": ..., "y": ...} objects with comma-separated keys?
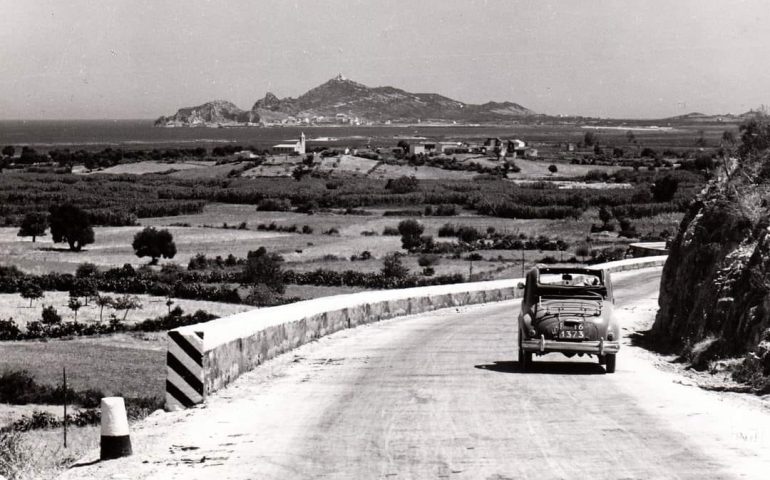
[{"x": 91, "y": 134}]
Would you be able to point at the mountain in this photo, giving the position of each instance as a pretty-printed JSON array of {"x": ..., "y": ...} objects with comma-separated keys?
[
  {"x": 217, "y": 112},
  {"x": 344, "y": 101}
]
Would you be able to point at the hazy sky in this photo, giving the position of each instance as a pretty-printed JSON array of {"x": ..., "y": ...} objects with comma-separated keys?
[{"x": 617, "y": 58}]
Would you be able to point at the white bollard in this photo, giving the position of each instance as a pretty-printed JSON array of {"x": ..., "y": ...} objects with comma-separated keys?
[{"x": 116, "y": 442}]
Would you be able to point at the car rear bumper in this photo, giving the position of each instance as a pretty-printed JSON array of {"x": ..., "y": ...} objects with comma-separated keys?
[{"x": 542, "y": 345}]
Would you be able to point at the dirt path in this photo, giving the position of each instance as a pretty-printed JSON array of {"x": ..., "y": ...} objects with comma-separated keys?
[{"x": 440, "y": 396}]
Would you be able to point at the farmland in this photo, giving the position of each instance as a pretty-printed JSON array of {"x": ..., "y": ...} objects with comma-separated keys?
[{"x": 332, "y": 218}]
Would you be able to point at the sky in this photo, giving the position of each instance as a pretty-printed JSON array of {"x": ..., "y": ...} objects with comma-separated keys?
[{"x": 608, "y": 58}]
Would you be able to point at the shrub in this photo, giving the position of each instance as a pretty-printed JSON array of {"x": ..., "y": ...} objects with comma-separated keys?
[
  {"x": 392, "y": 267},
  {"x": 428, "y": 260},
  {"x": 391, "y": 231},
  {"x": 50, "y": 316},
  {"x": 274, "y": 205},
  {"x": 9, "y": 330},
  {"x": 410, "y": 231},
  {"x": 264, "y": 268},
  {"x": 402, "y": 184},
  {"x": 428, "y": 271}
]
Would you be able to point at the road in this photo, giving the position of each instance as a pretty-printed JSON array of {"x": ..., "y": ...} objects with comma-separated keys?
[{"x": 440, "y": 395}]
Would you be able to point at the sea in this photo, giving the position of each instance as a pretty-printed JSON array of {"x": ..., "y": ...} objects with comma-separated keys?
[{"x": 142, "y": 134}]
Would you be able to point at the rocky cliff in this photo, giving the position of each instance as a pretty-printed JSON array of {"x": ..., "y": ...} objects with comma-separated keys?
[
  {"x": 348, "y": 100},
  {"x": 715, "y": 289},
  {"x": 215, "y": 113}
]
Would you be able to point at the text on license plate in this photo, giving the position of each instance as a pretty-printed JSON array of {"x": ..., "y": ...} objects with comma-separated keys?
[{"x": 571, "y": 334}]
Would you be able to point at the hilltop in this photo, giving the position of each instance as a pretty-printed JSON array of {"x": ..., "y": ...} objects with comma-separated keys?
[{"x": 341, "y": 100}]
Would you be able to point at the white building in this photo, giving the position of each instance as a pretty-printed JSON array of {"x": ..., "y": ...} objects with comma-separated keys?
[{"x": 297, "y": 148}]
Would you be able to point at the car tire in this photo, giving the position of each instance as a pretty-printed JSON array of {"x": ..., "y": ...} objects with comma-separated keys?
[
  {"x": 610, "y": 363},
  {"x": 602, "y": 359},
  {"x": 525, "y": 358}
]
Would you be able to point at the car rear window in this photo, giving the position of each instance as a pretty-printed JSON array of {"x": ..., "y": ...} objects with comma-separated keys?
[{"x": 570, "y": 279}]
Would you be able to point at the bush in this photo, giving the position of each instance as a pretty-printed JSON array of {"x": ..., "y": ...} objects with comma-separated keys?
[
  {"x": 428, "y": 260},
  {"x": 274, "y": 205},
  {"x": 402, "y": 184},
  {"x": 391, "y": 231},
  {"x": 9, "y": 330}
]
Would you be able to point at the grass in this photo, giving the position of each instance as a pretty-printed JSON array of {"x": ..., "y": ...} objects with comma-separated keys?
[
  {"x": 132, "y": 365},
  {"x": 113, "y": 247},
  {"x": 40, "y": 454},
  {"x": 13, "y": 306}
]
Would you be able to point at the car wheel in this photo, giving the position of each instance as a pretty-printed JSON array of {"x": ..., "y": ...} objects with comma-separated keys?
[
  {"x": 610, "y": 365},
  {"x": 602, "y": 359}
]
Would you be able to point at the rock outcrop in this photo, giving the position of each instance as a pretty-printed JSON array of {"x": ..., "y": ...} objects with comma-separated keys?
[
  {"x": 715, "y": 289},
  {"x": 215, "y": 113}
]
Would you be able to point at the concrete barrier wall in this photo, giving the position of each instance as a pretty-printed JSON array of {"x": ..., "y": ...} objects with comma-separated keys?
[{"x": 205, "y": 357}]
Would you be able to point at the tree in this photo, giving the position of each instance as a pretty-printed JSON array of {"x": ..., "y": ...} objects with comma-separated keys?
[
  {"x": 9, "y": 151},
  {"x": 70, "y": 224},
  {"x": 605, "y": 215},
  {"x": 553, "y": 169},
  {"x": 127, "y": 303},
  {"x": 403, "y": 145},
  {"x": 85, "y": 288},
  {"x": 664, "y": 189},
  {"x": 86, "y": 270},
  {"x": 590, "y": 139},
  {"x": 392, "y": 267},
  {"x": 33, "y": 225},
  {"x": 265, "y": 268},
  {"x": 154, "y": 244},
  {"x": 31, "y": 291},
  {"x": 630, "y": 137},
  {"x": 410, "y": 231},
  {"x": 75, "y": 305},
  {"x": 104, "y": 301}
]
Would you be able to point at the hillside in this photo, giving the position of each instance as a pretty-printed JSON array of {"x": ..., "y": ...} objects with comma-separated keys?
[
  {"x": 715, "y": 289},
  {"x": 340, "y": 100},
  {"x": 217, "y": 112}
]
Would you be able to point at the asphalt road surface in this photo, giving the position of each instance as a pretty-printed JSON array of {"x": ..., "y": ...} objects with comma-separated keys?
[{"x": 441, "y": 395}]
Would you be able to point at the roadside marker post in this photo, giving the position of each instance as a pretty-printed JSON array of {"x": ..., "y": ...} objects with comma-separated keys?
[{"x": 116, "y": 442}]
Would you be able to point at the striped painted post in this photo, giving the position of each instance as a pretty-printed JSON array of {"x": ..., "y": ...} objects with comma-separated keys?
[{"x": 184, "y": 370}]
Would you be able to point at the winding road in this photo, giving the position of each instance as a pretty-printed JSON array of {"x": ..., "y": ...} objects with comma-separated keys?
[{"x": 440, "y": 395}]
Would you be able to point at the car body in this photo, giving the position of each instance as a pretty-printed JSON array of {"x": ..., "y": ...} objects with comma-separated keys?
[{"x": 568, "y": 310}]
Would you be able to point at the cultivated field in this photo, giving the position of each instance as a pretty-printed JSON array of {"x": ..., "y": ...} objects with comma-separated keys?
[{"x": 17, "y": 308}]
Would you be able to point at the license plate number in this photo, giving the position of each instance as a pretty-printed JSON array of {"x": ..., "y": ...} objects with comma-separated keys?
[{"x": 571, "y": 334}]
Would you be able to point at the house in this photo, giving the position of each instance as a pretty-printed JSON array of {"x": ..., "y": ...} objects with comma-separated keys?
[
  {"x": 417, "y": 149},
  {"x": 297, "y": 148}
]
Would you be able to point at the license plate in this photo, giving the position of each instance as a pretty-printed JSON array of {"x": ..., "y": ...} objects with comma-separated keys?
[{"x": 571, "y": 334}]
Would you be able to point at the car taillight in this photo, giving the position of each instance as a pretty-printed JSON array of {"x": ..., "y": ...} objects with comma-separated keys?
[{"x": 610, "y": 337}]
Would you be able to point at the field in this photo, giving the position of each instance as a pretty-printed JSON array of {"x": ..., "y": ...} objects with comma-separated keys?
[
  {"x": 218, "y": 204},
  {"x": 13, "y": 306}
]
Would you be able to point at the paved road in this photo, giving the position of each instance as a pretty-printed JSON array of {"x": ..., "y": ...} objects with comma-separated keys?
[{"x": 440, "y": 395}]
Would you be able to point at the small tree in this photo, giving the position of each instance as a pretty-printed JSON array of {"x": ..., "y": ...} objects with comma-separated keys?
[
  {"x": 70, "y": 224},
  {"x": 9, "y": 151},
  {"x": 86, "y": 270},
  {"x": 605, "y": 215},
  {"x": 127, "y": 303},
  {"x": 50, "y": 316},
  {"x": 31, "y": 291},
  {"x": 664, "y": 189},
  {"x": 75, "y": 305},
  {"x": 104, "y": 301},
  {"x": 553, "y": 169},
  {"x": 392, "y": 267},
  {"x": 265, "y": 268},
  {"x": 410, "y": 231},
  {"x": 84, "y": 288},
  {"x": 33, "y": 225},
  {"x": 154, "y": 244}
]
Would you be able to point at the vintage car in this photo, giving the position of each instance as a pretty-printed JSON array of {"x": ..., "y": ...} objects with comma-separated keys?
[{"x": 568, "y": 310}]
